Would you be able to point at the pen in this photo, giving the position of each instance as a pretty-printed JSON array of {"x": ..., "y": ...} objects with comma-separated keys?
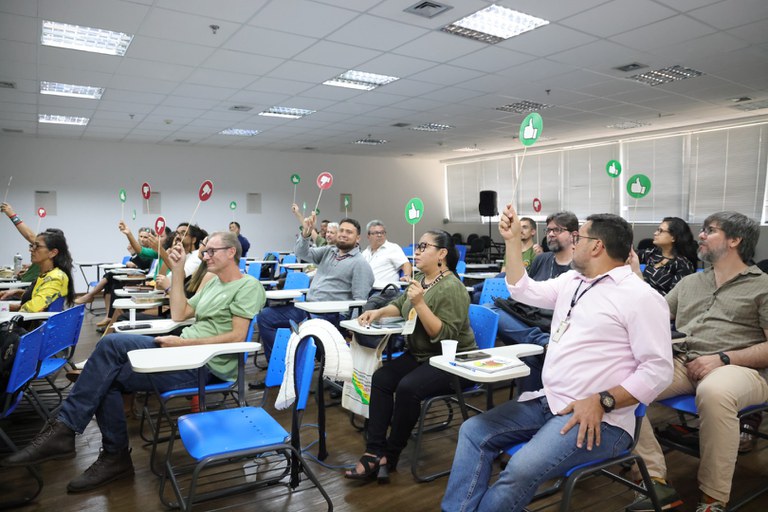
[{"x": 453, "y": 363}]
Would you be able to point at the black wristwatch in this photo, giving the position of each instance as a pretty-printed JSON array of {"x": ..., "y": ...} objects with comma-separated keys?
[
  {"x": 607, "y": 401},
  {"x": 724, "y": 358}
]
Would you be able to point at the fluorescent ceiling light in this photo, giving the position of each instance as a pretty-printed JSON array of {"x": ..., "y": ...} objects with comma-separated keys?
[
  {"x": 286, "y": 112},
  {"x": 370, "y": 142},
  {"x": 627, "y": 125},
  {"x": 494, "y": 24},
  {"x": 87, "y": 39},
  {"x": 239, "y": 132},
  {"x": 71, "y": 90},
  {"x": 523, "y": 107},
  {"x": 665, "y": 75},
  {"x": 432, "y": 127},
  {"x": 56, "y": 119},
  {"x": 467, "y": 149},
  {"x": 360, "y": 80}
]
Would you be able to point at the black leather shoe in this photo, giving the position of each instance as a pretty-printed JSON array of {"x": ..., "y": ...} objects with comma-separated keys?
[
  {"x": 55, "y": 441},
  {"x": 257, "y": 385},
  {"x": 107, "y": 468}
]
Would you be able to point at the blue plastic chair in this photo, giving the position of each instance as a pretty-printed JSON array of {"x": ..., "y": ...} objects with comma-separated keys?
[
  {"x": 288, "y": 259},
  {"x": 685, "y": 405},
  {"x": 408, "y": 250},
  {"x": 296, "y": 281},
  {"x": 462, "y": 251},
  {"x": 222, "y": 439},
  {"x": 23, "y": 370},
  {"x": 242, "y": 265},
  {"x": 57, "y": 306},
  {"x": 62, "y": 332},
  {"x": 461, "y": 269},
  {"x": 155, "y": 420},
  {"x": 493, "y": 288},
  {"x": 568, "y": 480},
  {"x": 485, "y": 324},
  {"x": 254, "y": 269}
]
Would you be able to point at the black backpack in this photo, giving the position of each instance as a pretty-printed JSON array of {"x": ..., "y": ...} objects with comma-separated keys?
[
  {"x": 10, "y": 336},
  {"x": 268, "y": 269}
]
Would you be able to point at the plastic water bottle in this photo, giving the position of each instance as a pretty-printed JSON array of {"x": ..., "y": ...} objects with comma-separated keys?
[{"x": 17, "y": 263}]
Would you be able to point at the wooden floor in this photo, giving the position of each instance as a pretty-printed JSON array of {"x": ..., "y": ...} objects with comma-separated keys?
[{"x": 345, "y": 444}]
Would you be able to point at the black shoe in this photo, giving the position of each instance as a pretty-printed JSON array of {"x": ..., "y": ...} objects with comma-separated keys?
[
  {"x": 107, "y": 468},
  {"x": 257, "y": 385},
  {"x": 55, "y": 441}
]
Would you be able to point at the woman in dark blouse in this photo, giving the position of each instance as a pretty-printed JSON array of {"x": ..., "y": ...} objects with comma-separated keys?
[{"x": 672, "y": 257}]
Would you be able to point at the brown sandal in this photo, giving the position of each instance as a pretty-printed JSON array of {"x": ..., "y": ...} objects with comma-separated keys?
[{"x": 371, "y": 464}]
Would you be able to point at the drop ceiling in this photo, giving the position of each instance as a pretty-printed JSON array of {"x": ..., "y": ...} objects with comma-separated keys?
[{"x": 179, "y": 80}]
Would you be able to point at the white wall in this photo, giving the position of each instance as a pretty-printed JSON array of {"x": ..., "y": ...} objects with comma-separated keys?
[{"x": 87, "y": 177}]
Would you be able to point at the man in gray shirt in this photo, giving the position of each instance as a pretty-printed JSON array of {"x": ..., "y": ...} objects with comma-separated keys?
[{"x": 342, "y": 274}]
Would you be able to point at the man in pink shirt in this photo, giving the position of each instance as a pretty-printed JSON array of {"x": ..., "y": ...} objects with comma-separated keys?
[{"x": 609, "y": 349}]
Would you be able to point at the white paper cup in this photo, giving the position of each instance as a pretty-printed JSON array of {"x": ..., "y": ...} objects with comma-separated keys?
[
  {"x": 449, "y": 349},
  {"x": 5, "y": 306}
]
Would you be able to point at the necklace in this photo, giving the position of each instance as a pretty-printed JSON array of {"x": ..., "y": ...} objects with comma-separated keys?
[{"x": 434, "y": 281}]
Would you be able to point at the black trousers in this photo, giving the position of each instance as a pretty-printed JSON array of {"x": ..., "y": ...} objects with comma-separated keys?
[{"x": 397, "y": 389}]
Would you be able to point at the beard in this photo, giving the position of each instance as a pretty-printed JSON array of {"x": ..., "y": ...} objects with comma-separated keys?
[
  {"x": 554, "y": 245},
  {"x": 712, "y": 254},
  {"x": 345, "y": 246}
]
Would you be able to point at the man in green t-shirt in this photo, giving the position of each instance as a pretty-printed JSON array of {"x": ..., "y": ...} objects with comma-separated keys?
[{"x": 223, "y": 309}]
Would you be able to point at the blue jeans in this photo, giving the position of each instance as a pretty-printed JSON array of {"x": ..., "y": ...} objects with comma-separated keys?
[
  {"x": 547, "y": 455},
  {"x": 106, "y": 376},
  {"x": 512, "y": 330}
]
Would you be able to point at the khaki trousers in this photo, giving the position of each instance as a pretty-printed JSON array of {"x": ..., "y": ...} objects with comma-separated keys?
[{"x": 719, "y": 397}]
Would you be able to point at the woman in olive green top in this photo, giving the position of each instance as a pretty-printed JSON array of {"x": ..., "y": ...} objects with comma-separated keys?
[{"x": 441, "y": 305}]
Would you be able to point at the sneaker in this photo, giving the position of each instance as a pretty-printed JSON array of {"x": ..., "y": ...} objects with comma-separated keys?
[
  {"x": 715, "y": 506},
  {"x": 668, "y": 498},
  {"x": 107, "y": 468},
  {"x": 747, "y": 441}
]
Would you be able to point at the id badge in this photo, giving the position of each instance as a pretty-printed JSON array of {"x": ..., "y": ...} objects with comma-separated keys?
[
  {"x": 560, "y": 331},
  {"x": 410, "y": 324}
]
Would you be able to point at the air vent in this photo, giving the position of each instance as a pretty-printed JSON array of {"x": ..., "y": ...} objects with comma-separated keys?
[
  {"x": 631, "y": 67},
  {"x": 241, "y": 108},
  {"x": 181, "y": 141},
  {"x": 523, "y": 107},
  {"x": 370, "y": 141},
  {"x": 13, "y": 130},
  {"x": 308, "y": 148},
  {"x": 401, "y": 125},
  {"x": 7, "y": 85},
  {"x": 427, "y": 9}
]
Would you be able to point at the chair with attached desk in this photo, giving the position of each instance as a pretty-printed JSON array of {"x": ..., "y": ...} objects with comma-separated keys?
[
  {"x": 154, "y": 419},
  {"x": 23, "y": 370},
  {"x": 220, "y": 441},
  {"x": 62, "y": 332},
  {"x": 57, "y": 306},
  {"x": 567, "y": 482},
  {"x": 685, "y": 406},
  {"x": 437, "y": 412}
]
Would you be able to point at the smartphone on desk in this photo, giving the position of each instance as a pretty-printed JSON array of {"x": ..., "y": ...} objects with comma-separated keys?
[
  {"x": 474, "y": 356},
  {"x": 133, "y": 327}
]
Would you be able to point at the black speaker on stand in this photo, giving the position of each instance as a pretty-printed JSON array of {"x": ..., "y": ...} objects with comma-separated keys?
[{"x": 489, "y": 209}]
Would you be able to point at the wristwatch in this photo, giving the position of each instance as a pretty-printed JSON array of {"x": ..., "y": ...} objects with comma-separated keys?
[
  {"x": 607, "y": 401},
  {"x": 724, "y": 358}
]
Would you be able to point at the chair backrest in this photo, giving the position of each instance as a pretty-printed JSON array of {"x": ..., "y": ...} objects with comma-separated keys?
[
  {"x": 126, "y": 259},
  {"x": 62, "y": 331},
  {"x": 289, "y": 258},
  {"x": 23, "y": 370},
  {"x": 408, "y": 250},
  {"x": 485, "y": 324},
  {"x": 304, "y": 366},
  {"x": 242, "y": 265},
  {"x": 276, "y": 367},
  {"x": 296, "y": 280},
  {"x": 461, "y": 268},
  {"x": 492, "y": 288},
  {"x": 462, "y": 251},
  {"x": 254, "y": 269},
  {"x": 57, "y": 305},
  {"x": 458, "y": 238}
]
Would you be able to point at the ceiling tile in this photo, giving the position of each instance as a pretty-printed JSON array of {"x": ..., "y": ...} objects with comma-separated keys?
[
  {"x": 376, "y": 33},
  {"x": 268, "y": 42},
  {"x": 303, "y": 17}
]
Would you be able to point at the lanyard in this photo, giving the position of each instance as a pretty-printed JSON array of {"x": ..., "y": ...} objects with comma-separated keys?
[{"x": 577, "y": 297}]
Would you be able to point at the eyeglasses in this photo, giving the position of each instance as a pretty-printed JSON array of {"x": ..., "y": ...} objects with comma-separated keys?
[
  {"x": 555, "y": 231},
  {"x": 35, "y": 246},
  {"x": 211, "y": 251},
  {"x": 577, "y": 237},
  {"x": 709, "y": 230},
  {"x": 377, "y": 233},
  {"x": 659, "y": 230},
  {"x": 423, "y": 246}
]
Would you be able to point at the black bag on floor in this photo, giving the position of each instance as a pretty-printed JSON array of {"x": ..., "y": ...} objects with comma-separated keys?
[{"x": 10, "y": 337}]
